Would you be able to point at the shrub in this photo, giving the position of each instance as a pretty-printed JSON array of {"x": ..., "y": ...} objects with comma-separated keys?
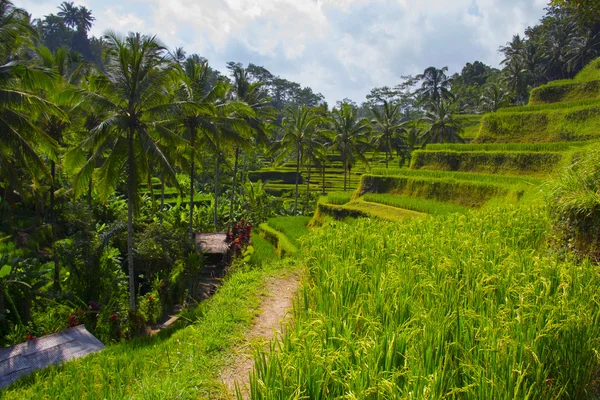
[{"x": 574, "y": 203}]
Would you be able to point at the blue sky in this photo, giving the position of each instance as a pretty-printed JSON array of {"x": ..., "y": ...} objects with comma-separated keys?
[{"x": 340, "y": 48}]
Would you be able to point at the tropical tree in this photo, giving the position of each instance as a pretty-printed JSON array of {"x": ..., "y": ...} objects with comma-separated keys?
[
  {"x": 299, "y": 127},
  {"x": 435, "y": 85},
  {"x": 132, "y": 94},
  {"x": 443, "y": 128},
  {"x": 515, "y": 77},
  {"x": 230, "y": 132},
  {"x": 21, "y": 140},
  {"x": 253, "y": 94},
  {"x": 412, "y": 140},
  {"x": 192, "y": 79},
  {"x": 582, "y": 49},
  {"x": 350, "y": 135},
  {"x": 588, "y": 11},
  {"x": 493, "y": 98},
  {"x": 69, "y": 12},
  {"x": 387, "y": 123}
]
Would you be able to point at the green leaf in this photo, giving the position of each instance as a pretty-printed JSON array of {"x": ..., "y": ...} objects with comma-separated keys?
[{"x": 5, "y": 271}]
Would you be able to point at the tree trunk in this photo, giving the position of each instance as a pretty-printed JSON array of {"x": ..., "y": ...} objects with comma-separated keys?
[
  {"x": 130, "y": 194},
  {"x": 387, "y": 150},
  {"x": 56, "y": 283},
  {"x": 297, "y": 180},
  {"x": 345, "y": 168},
  {"x": 323, "y": 183},
  {"x": 52, "y": 178},
  {"x": 307, "y": 189},
  {"x": 244, "y": 171},
  {"x": 232, "y": 197},
  {"x": 191, "y": 203},
  {"x": 162, "y": 196},
  {"x": 216, "y": 202}
]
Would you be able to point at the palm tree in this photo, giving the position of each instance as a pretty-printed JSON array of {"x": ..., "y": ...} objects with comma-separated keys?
[
  {"x": 443, "y": 128},
  {"x": 231, "y": 132},
  {"x": 85, "y": 20},
  {"x": 387, "y": 123},
  {"x": 21, "y": 141},
  {"x": 411, "y": 140},
  {"x": 516, "y": 79},
  {"x": 350, "y": 135},
  {"x": 436, "y": 84},
  {"x": 132, "y": 93},
  {"x": 493, "y": 98},
  {"x": 193, "y": 81},
  {"x": 583, "y": 49},
  {"x": 256, "y": 98},
  {"x": 69, "y": 13},
  {"x": 299, "y": 126}
]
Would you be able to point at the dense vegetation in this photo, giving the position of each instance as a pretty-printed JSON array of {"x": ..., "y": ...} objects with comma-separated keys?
[{"x": 444, "y": 279}]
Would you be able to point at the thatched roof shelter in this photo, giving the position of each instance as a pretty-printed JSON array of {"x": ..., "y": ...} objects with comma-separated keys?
[{"x": 24, "y": 358}]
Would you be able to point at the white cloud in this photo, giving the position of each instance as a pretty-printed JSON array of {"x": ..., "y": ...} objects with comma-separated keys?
[{"x": 341, "y": 48}]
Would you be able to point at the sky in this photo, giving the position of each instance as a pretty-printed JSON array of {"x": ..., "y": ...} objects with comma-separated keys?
[{"x": 340, "y": 48}]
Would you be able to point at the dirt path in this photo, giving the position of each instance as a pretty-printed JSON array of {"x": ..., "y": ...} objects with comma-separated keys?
[{"x": 274, "y": 309}]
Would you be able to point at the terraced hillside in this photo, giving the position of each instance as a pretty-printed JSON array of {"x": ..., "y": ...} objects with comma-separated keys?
[{"x": 561, "y": 111}]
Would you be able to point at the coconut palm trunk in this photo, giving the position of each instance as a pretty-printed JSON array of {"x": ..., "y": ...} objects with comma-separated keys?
[
  {"x": 130, "y": 195},
  {"x": 345, "y": 167},
  {"x": 307, "y": 188},
  {"x": 298, "y": 158},
  {"x": 191, "y": 203},
  {"x": 216, "y": 202},
  {"x": 323, "y": 182},
  {"x": 233, "y": 183}
]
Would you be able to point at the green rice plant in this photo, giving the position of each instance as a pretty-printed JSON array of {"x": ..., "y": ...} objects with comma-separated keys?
[
  {"x": 181, "y": 362},
  {"x": 574, "y": 200},
  {"x": 463, "y": 176},
  {"x": 463, "y": 193},
  {"x": 491, "y": 162},
  {"x": 293, "y": 227},
  {"x": 470, "y": 125},
  {"x": 363, "y": 209},
  {"x": 283, "y": 246},
  {"x": 415, "y": 204},
  {"x": 551, "y": 106},
  {"x": 530, "y": 147},
  {"x": 590, "y": 72},
  {"x": 554, "y": 125},
  {"x": 262, "y": 251},
  {"x": 560, "y": 92},
  {"x": 460, "y": 306},
  {"x": 338, "y": 198}
]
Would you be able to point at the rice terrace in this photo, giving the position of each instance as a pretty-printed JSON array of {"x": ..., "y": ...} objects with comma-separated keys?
[{"x": 176, "y": 225}]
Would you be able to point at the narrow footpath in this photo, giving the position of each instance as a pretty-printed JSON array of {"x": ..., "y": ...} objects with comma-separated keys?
[{"x": 275, "y": 308}]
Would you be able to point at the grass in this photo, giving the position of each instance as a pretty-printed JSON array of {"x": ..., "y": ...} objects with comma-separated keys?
[
  {"x": 283, "y": 246},
  {"x": 590, "y": 72},
  {"x": 292, "y": 227},
  {"x": 415, "y": 204},
  {"x": 361, "y": 209},
  {"x": 182, "y": 362},
  {"x": 494, "y": 162},
  {"x": 553, "y": 125},
  {"x": 463, "y": 306}
]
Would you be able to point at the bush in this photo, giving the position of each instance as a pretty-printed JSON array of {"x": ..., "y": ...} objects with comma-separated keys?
[{"x": 575, "y": 205}]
